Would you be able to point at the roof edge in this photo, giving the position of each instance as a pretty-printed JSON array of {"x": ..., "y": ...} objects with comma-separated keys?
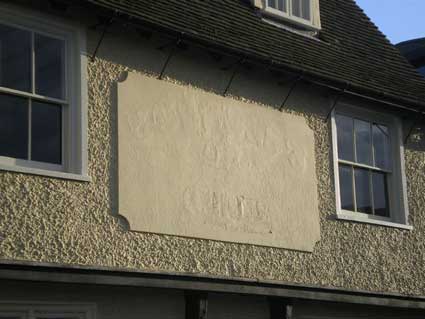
[
  {"x": 97, "y": 275},
  {"x": 394, "y": 100}
]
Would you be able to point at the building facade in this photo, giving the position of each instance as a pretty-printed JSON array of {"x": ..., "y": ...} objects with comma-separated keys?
[{"x": 220, "y": 159}]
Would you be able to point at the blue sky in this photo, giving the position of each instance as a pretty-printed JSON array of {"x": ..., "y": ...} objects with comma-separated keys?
[{"x": 399, "y": 20}]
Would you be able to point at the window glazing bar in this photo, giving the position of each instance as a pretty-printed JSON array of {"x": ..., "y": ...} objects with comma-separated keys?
[
  {"x": 32, "y": 63},
  {"x": 29, "y": 128},
  {"x": 372, "y": 199},
  {"x": 372, "y": 144},
  {"x": 376, "y": 169},
  {"x": 353, "y": 180},
  {"x": 354, "y": 141},
  {"x": 34, "y": 96}
]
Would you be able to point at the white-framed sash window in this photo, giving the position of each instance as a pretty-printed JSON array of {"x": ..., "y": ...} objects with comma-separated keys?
[
  {"x": 302, "y": 13},
  {"x": 369, "y": 174},
  {"x": 42, "y": 95},
  {"x": 296, "y": 9}
]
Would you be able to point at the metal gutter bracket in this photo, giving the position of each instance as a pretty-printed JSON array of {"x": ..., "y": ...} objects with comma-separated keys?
[
  {"x": 106, "y": 25},
  {"x": 235, "y": 70},
  {"x": 291, "y": 89},
  {"x": 174, "y": 47},
  {"x": 338, "y": 97}
]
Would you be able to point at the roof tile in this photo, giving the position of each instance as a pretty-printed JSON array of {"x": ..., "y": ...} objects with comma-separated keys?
[{"x": 351, "y": 48}]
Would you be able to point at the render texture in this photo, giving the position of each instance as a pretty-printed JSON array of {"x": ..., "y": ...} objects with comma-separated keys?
[{"x": 67, "y": 222}]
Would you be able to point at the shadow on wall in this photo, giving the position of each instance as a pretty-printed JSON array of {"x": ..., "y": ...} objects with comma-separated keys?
[{"x": 416, "y": 139}]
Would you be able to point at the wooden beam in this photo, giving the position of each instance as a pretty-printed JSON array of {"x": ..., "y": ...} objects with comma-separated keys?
[
  {"x": 280, "y": 308},
  {"x": 196, "y": 305},
  {"x": 34, "y": 271}
]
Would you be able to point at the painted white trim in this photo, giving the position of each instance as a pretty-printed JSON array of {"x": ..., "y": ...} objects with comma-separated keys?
[
  {"x": 45, "y": 172},
  {"x": 351, "y": 216},
  {"x": 398, "y": 191},
  {"x": 75, "y": 104},
  {"x": 306, "y": 33},
  {"x": 372, "y": 168},
  {"x": 288, "y": 16},
  {"x": 34, "y": 310},
  {"x": 34, "y": 96}
]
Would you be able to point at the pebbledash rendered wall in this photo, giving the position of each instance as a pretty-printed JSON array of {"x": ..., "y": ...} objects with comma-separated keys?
[{"x": 68, "y": 222}]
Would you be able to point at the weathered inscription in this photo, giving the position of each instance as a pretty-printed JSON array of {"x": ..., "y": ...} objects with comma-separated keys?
[
  {"x": 195, "y": 164},
  {"x": 228, "y": 211}
]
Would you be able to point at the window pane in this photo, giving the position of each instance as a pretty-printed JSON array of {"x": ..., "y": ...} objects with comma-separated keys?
[
  {"x": 344, "y": 126},
  {"x": 272, "y": 3},
  {"x": 422, "y": 70},
  {"x": 49, "y": 66},
  {"x": 305, "y": 13},
  {"x": 46, "y": 133},
  {"x": 363, "y": 200},
  {"x": 282, "y": 5},
  {"x": 346, "y": 187},
  {"x": 380, "y": 194},
  {"x": 15, "y": 58},
  {"x": 296, "y": 8},
  {"x": 13, "y": 126},
  {"x": 363, "y": 142},
  {"x": 381, "y": 146}
]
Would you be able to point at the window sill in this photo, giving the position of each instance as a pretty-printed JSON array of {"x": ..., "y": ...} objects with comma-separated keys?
[
  {"x": 360, "y": 219},
  {"x": 306, "y": 33},
  {"x": 47, "y": 173}
]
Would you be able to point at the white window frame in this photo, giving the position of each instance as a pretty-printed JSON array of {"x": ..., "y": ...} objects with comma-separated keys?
[
  {"x": 288, "y": 15},
  {"x": 74, "y": 106},
  {"x": 36, "y": 310},
  {"x": 397, "y": 193}
]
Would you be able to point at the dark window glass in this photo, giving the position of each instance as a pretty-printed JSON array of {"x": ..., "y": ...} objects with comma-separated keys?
[
  {"x": 46, "y": 143},
  {"x": 422, "y": 70},
  {"x": 282, "y": 5},
  {"x": 380, "y": 194},
  {"x": 381, "y": 146},
  {"x": 296, "y": 8},
  {"x": 346, "y": 187},
  {"x": 13, "y": 127},
  {"x": 49, "y": 66},
  {"x": 305, "y": 9},
  {"x": 15, "y": 58},
  {"x": 345, "y": 137},
  {"x": 363, "y": 200},
  {"x": 363, "y": 142},
  {"x": 272, "y": 3}
]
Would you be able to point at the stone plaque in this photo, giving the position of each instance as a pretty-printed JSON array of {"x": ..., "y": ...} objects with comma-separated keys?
[{"x": 196, "y": 164}]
